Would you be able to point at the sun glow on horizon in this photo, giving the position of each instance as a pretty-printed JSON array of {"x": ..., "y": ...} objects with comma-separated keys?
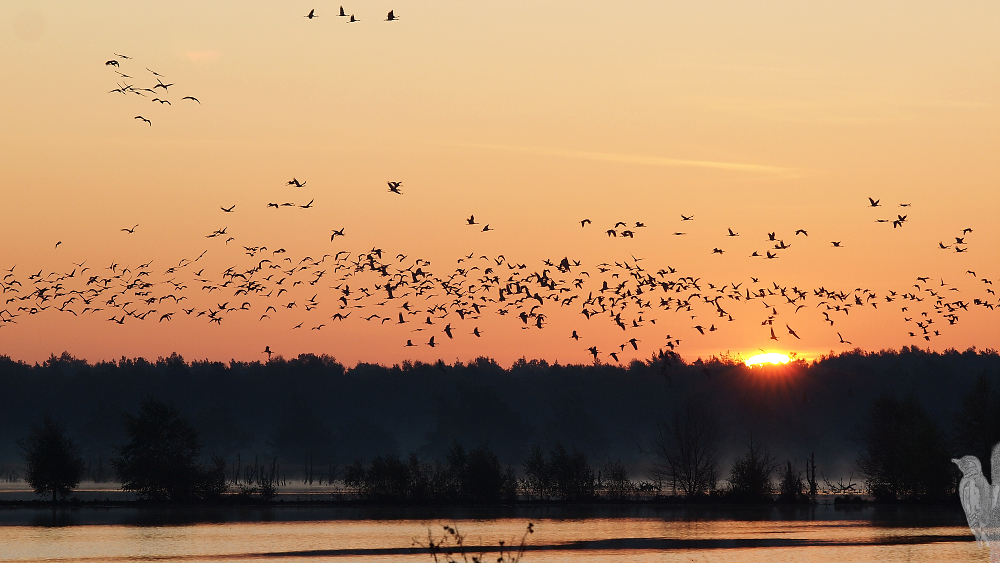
[{"x": 768, "y": 358}]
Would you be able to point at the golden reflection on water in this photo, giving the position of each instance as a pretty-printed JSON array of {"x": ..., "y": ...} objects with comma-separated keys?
[{"x": 348, "y": 540}]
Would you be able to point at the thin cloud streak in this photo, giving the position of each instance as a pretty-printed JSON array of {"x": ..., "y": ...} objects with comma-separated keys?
[{"x": 643, "y": 159}]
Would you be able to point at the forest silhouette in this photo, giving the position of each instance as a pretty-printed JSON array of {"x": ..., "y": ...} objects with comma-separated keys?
[{"x": 318, "y": 419}]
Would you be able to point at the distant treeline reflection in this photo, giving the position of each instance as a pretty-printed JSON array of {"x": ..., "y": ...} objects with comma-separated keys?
[{"x": 477, "y": 432}]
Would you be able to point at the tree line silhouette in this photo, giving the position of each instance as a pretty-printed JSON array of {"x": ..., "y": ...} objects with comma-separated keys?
[{"x": 480, "y": 433}]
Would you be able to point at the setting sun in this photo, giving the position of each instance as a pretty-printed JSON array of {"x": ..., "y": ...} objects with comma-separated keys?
[{"x": 770, "y": 358}]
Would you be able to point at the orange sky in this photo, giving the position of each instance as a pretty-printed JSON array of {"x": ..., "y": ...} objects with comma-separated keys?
[{"x": 762, "y": 117}]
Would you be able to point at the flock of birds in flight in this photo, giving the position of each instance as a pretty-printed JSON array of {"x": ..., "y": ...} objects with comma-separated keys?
[
  {"x": 402, "y": 291},
  {"x": 125, "y": 88}
]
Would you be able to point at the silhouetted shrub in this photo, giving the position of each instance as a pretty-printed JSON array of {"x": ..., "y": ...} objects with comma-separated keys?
[
  {"x": 613, "y": 482},
  {"x": 791, "y": 486},
  {"x": 537, "y": 481},
  {"x": 160, "y": 461},
  {"x": 904, "y": 455},
  {"x": 54, "y": 463},
  {"x": 475, "y": 477},
  {"x": 750, "y": 476},
  {"x": 566, "y": 474},
  {"x": 685, "y": 450}
]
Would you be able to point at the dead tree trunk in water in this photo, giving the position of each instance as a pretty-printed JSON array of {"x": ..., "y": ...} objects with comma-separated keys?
[{"x": 811, "y": 474}]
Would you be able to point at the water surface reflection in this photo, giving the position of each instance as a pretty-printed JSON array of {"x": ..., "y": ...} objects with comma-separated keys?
[{"x": 597, "y": 534}]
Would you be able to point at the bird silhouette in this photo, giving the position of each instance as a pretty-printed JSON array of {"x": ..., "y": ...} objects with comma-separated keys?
[
  {"x": 873, "y": 202},
  {"x": 391, "y": 17},
  {"x": 192, "y": 98},
  {"x": 311, "y": 14},
  {"x": 148, "y": 122}
]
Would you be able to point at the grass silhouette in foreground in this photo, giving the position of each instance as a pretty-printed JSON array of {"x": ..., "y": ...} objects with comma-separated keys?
[{"x": 451, "y": 547}]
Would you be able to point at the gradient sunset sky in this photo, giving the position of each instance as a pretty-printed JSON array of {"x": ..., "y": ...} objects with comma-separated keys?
[{"x": 753, "y": 116}]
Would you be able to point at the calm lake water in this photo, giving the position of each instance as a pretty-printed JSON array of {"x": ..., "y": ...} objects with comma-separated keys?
[{"x": 578, "y": 534}]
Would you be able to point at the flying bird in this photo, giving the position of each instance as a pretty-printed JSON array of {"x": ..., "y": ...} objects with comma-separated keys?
[
  {"x": 394, "y": 187},
  {"x": 874, "y": 202},
  {"x": 148, "y": 122},
  {"x": 311, "y": 14},
  {"x": 130, "y": 231},
  {"x": 229, "y": 209},
  {"x": 192, "y": 98},
  {"x": 391, "y": 17}
]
